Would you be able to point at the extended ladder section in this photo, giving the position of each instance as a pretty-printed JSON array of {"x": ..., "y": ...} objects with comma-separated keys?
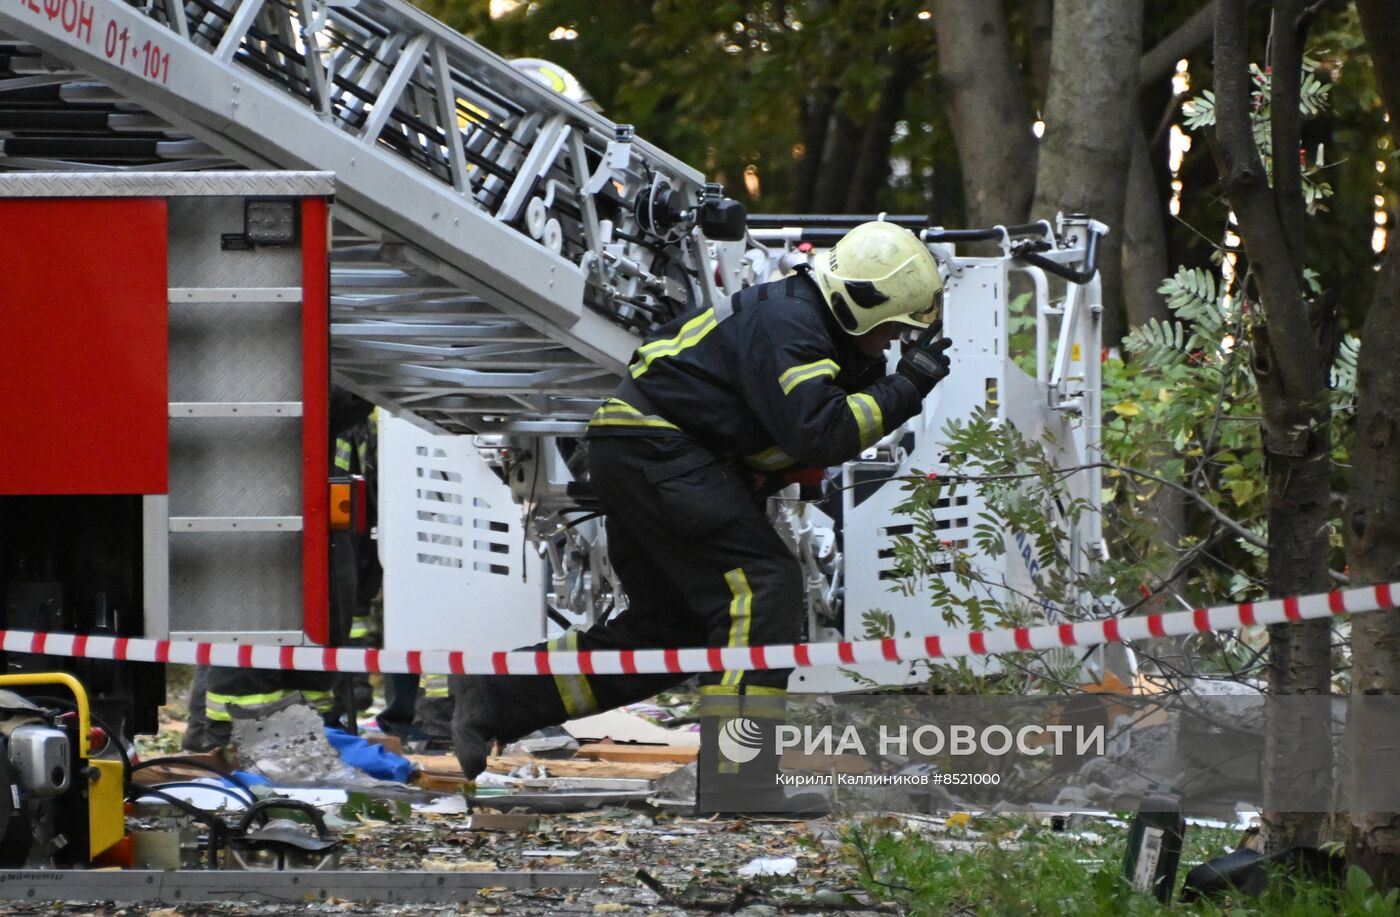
[{"x": 498, "y": 247}]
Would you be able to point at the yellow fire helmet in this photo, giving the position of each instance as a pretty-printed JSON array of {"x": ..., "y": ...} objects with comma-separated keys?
[
  {"x": 553, "y": 76},
  {"x": 879, "y": 273}
]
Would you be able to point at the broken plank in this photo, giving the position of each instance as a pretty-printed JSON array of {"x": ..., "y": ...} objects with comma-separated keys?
[
  {"x": 446, "y": 766},
  {"x": 440, "y": 783},
  {"x": 162, "y": 771},
  {"x": 654, "y": 754},
  {"x": 498, "y": 821},
  {"x": 388, "y": 743}
]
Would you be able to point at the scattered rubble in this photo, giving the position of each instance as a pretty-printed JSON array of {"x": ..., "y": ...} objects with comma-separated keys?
[{"x": 648, "y": 860}]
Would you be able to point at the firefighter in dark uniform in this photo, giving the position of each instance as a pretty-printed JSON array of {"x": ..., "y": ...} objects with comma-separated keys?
[{"x": 784, "y": 375}]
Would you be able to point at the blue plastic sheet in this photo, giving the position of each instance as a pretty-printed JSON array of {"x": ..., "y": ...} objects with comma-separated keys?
[{"x": 375, "y": 760}]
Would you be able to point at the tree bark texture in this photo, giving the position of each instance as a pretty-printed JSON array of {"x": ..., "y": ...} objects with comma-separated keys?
[
  {"x": 1371, "y": 520},
  {"x": 1291, "y": 362},
  {"x": 1039, "y": 16},
  {"x": 988, "y": 111},
  {"x": 872, "y": 166},
  {"x": 1144, "y": 240},
  {"x": 1372, "y": 527},
  {"x": 1089, "y": 129}
]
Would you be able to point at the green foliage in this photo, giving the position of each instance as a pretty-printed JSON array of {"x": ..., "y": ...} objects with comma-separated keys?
[
  {"x": 1014, "y": 867},
  {"x": 782, "y": 91},
  {"x": 365, "y": 808},
  {"x": 1199, "y": 112},
  {"x": 1026, "y": 510},
  {"x": 1183, "y": 414}
]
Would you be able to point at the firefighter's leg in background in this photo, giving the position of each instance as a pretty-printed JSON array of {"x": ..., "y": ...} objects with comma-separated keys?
[
  {"x": 351, "y": 691},
  {"x": 254, "y": 692},
  {"x": 197, "y": 737},
  {"x": 367, "y": 621},
  {"x": 432, "y": 712},
  {"x": 258, "y": 693},
  {"x": 397, "y": 718}
]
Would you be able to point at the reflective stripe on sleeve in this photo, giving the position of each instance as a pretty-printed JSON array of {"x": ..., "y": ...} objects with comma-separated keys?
[
  {"x": 691, "y": 333},
  {"x": 792, "y": 378},
  {"x": 870, "y": 420},
  {"x": 773, "y": 459},
  {"x": 342, "y": 453}
]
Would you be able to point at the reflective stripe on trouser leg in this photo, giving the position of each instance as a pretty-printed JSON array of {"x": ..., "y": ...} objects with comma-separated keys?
[
  {"x": 341, "y": 461},
  {"x": 323, "y": 701},
  {"x": 740, "y": 616},
  {"x": 574, "y": 690},
  {"x": 434, "y": 686},
  {"x": 216, "y": 705}
]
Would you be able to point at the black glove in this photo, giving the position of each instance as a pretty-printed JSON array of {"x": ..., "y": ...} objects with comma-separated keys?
[{"x": 925, "y": 362}]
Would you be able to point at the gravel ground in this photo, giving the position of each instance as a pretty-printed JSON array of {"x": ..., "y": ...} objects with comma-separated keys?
[{"x": 696, "y": 860}]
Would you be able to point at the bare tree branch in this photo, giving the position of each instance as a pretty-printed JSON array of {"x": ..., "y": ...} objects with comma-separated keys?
[
  {"x": 1380, "y": 21},
  {"x": 1286, "y": 121},
  {"x": 1246, "y": 182},
  {"x": 1160, "y": 61}
]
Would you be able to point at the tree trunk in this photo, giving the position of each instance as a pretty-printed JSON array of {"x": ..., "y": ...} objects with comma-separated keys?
[
  {"x": 842, "y": 140},
  {"x": 1089, "y": 129},
  {"x": 987, "y": 109},
  {"x": 816, "y": 107},
  {"x": 871, "y": 171},
  {"x": 1372, "y": 518},
  {"x": 1040, "y": 24},
  {"x": 1372, "y": 526},
  {"x": 1290, "y": 362},
  {"x": 1144, "y": 240}
]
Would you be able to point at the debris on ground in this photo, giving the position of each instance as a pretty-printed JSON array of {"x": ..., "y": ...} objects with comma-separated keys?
[
  {"x": 512, "y": 818},
  {"x": 290, "y": 747},
  {"x": 768, "y": 866}
]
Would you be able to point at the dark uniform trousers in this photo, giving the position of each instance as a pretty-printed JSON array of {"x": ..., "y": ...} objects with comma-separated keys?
[{"x": 701, "y": 566}]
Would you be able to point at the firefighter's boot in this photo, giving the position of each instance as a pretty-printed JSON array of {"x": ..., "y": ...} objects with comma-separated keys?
[
  {"x": 488, "y": 709},
  {"x": 737, "y": 768}
]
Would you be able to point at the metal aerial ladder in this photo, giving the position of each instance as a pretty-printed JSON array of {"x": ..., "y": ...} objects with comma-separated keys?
[{"x": 498, "y": 248}]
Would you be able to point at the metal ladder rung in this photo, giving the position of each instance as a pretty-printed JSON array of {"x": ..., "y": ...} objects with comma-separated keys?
[
  {"x": 245, "y": 295},
  {"x": 235, "y": 409},
  {"x": 235, "y": 523}
]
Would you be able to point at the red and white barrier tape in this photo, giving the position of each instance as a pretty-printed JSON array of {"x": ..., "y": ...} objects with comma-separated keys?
[{"x": 712, "y": 659}]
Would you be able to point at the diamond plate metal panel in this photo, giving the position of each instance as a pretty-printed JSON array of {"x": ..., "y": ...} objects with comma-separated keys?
[
  {"x": 166, "y": 184},
  {"x": 235, "y": 467},
  {"x": 223, "y": 582},
  {"x": 216, "y": 357},
  {"x": 197, "y": 258}
]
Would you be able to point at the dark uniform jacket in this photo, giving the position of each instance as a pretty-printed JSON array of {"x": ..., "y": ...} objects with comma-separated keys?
[{"x": 774, "y": 385}]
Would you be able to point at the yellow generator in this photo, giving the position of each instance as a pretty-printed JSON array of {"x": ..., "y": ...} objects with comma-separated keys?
[{"x": 59, "y": 806}]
